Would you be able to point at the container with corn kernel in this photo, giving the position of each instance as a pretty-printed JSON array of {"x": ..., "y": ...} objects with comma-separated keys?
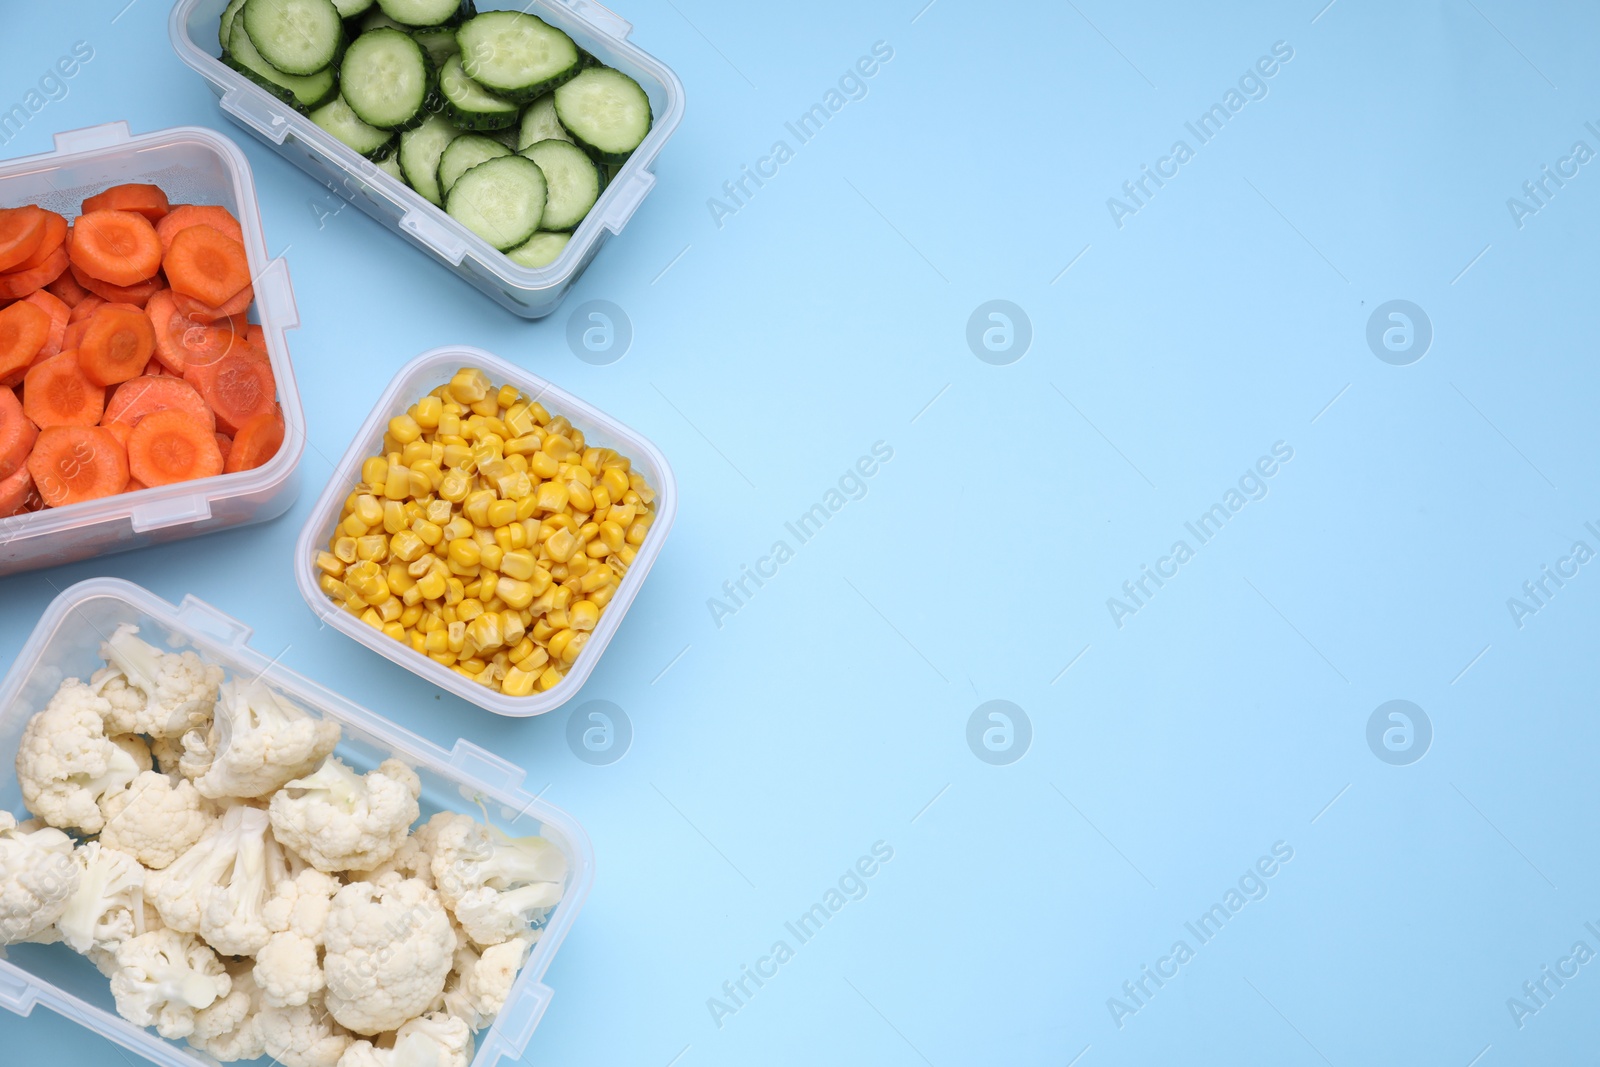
[{"x": 487, "y": 531}]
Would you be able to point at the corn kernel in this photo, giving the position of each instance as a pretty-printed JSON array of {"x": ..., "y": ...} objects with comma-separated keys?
[
  {"x": 353, "y": 527},
  {"x": 501, "y": 512},
  {"x": 407, "y": 546},
  {"x": 426, "y": 412},
  {"x": 414, "y": 452},
  {"x": 454, "y": 591},
  {"x": 465, "y": 552},
  {"x": 417, "y": 641},
  {"x": 513, "y": 627},
  {"x": 549, "y": 679},
  {"x": 432, "y": 585},
  {"x": 372, "y": 619},
  {"x": 328, "y": 563},
  {"x": 602, "y": 596},
  {"x": 333, "y": 587},
  {"x": 615, "y": 482},
  {"x": 518, "y": 564},
  {"x": 471, "y": 667},
  {"x": 584, "y": 615},
  {"x": 372, "y": 547},
  {"x": 469, "y": 608},
  {"x": 561, "y": 545},
  {"x": 436, "y": 641},
  {"x": 485, "y": 632},
  {"x": 596, "y": 578},
  {"x": 516, "y": 594},
  {"x": 574, "y": 648},
  {"x": 456, "y": 636},
  {"x": 517, "y": 683},
  {"x": 542, "y": 464},
  {"x": 404, "y": 428},
  {"x": 476, "y": 506},
  {"x": 390, "y": 610},
  {"x": 428, "y": 533},
  {"x": 469, "y": 385},
  {"x": 374, "y": 471}
]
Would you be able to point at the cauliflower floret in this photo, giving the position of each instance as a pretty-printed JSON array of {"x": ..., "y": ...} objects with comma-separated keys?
[
  {"x": 289, "y": 968},
  {"x": 168, "y": 755},
  {"x": 155, "y": 819},
  {"x": 163, "y": 977},
  {"x": 389, "y": 949},
  {"x": 478, "y": 989},
  {"x": 303, "y": 1036},
  {"x": 227, "y": 1030},
  {"x": 494, "y": 884},
  {"x": 429, "y": 1041},
  {"x": 338, "y": 820},
  {"x": 148, "y": 691},
  {"x": 37, "y": 879},
  {"x": 66, "y": 764},
  {"x": 258, "y": 741},
  {"x": 414, "y": 858},
  {"x": 108, "y": 907},
  {"x": 220, "y": 888}
]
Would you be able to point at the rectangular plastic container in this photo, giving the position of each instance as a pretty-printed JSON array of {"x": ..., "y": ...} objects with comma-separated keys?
[
  {"x": 417, "y": 378},
  {"x": 531, "y": 293},
  {"x": 65, "y": 644},
  {"x": 192, "y": 165}
]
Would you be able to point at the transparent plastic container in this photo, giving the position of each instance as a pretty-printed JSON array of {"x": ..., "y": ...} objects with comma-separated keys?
[
  {"x": 195, "y": 166},
  {"x": 531, "y": 293},
  {"x": 65, "y": 644},
  {"x": 415, "y": 380}
]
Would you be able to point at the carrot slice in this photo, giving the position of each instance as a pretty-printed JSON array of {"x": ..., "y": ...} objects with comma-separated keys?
[
  {"x": 18, "y": 284},
  {"x": 55, "y": 233},
  {"x": 74, "y": 334},
  {"x": 137, "y": 295},
  {"x": 17, "y": 434},
  {"x": 87, "y": 307},
  {"x": 144, "y": 395},
  {"x": 147, "y": 200},
  {"x": 257, "y": 441},
  {"x": 56, "y": 393},
  {"x": 59, "y": 314},
  {"x": 183, "y": 216},
  {"x": 118, "y": 343},
  {"x": 206, "y": 264},
  {"x": 172, "y": 446},
  {"x": 256, "y": 336},
  {"x": 237, "y": 386},
  {"x": 120, "y": 247},
  {"x": 14, "y": 492},
  {"x": 180, "y": 341},
  {"x": 24, "y": 329},
  {"x": 198, "y": 311},
  {"x": 119, "y": 430},
  {"x": 71, "y": 464},
  {"x": 21, "y": 230},
  {"x": 67, "y": 288}
]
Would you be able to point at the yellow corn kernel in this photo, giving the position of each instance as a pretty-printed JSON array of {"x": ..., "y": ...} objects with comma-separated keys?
[
  {"x": 438, "y": 512},
  {"x": 411, "y": 616},
  {"x": 353, "y": 527},
  {"x": 579, "y": 496},
  {"x": 549, "y": 679},
  {"x": 552, "y": 496},
  {"x": 636, "y": 533},
  {"x": 448, "y": 659},
  {"x": 390, "y": 610},
  {"x": 561, "y": 598},
  {"x": 507, "y": 396},
  {"x": 602, "y": 499},
  {"x": 426, "y": 412},
  {"x": 541, "y": 631},
  {"x": 450, "y": 421},
  {"x": 518, "y": 564},
  {"x": 404, "y": 428},
  {"x": 501, "y": 512},
  {"x": 469, "y": 608},
  {"x": 391, "y": 516},
  {"x": 436, "y": 641},
  {"x": 596, "y": 578},
  {"x": 428, "y": 533},
  {"x": 412, "y": 596},
  {"x": 430, "y": 622},
  {"x": 559, "y": 619},
  {"x": 512, "y": 626},
  {"x": 328, "y": 563},
  {"x": 457, "y": 529},
  {"x": 516, "y": 594},
  {"x": 615, "y": 482},
  {"x": 333, "y": 587},
  {"x": 469, "y": 385},
  {"x": 557, "y": 446},
  {"x": 591, "y": 460},
  {"x": 485, "y": 632},
  {"x": 543, "y": 465},
  {"x": 455, "y": 485},
  {"x": 597, "y": 549},
  {"x": 476, "y": 507},
  {"x": 432, "y": 585},
  {"x": 613, "y": 534},
  {"x": 456, "y": 636},
  {"x": 622, "y": 514},
  {"x": 399, "y": 580},
  {"x": 569, "y": 655},
  {"x": 517, "y": 683},
  {"x": 426, "y": 472},
  {"x": 584, "y": 615},
  {"x": 471, "y": 667},
  {"x": 413, "y": 452},
  {"x": 372, "y": 619},
  {"x": 372, "y": 547},
  {"x": 417, "y": 641},
  {"x": 374, "y": 471},
  {"x": 407, "y": 546},
  {"x": 465, "y": 552},
  {"x": 344, "y": 548},
  {"x": 627, "y": 555},
  {"x": 369, "y": 509},
  {"x": 561, "y": 545},
  {"x": 602, "y": 596},
  {"x": 454, "y": 591},
  {"x": 577, "y": 438},
  {"x": 519, "y": 420},
  {"x": 491, "y": 554},
  {"x": 397, "y": 486}
]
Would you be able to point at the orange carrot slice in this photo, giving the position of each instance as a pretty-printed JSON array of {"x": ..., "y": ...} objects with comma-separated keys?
[
  {"x": 118, "y": 343},
  {"x": 17, "y": 434},
  {"x": 147, "y": 200},
  {"x": 172, "y": 446},
  {"x": 21, "y": 230},
  {"x": 55, "y": 232},
  {"x": 15, "y": 491},
  {"x": 225, "y": 444},
  {"x": 183, "y": 216},
  {"x": 86, "y": 307},
  {"x": 24, "y": 329},
  {"x": 68, "y": 290},
  {"x": 59, "y": 314},
  {"x": 147, "y": 394},
  {"x": 18, "y": 284},
  {"x": 56, "y": 393},
  {"x": 257, "y": 441},
  {"x": 119, "y": 430},
  {"x": 71, "y": 464},
  {"x": 206, "y": 264},
  {"x": 198, "y": 311},
  {"x": 137, "y": 295},
  {"x": 237, "y": 386},
  {"x": 120, "y": 247}
]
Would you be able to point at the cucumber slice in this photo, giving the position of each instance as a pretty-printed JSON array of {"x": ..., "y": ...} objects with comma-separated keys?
[
  {"x": 539, "y": 123},
  {"x": 349, "y": 9},
  {"x": 471, "y": 105},
  {"x": 387, "y": 79},
  {"x": 464, "y": 153},
  {"x": 507, "y": 136},
  {"x": 338, "y": 119},
  {"x": 440, "y": 44},
  {"x": 225, "y": 28},
  {"x": 516, "y": 55},
  {"x": 420, "y": 150},
  {"x": 296, "y": 36},
  {"x": 573, "y": 182},
  {"x": 304, "y": 93},
  {"x": 501, "y": 200},
  {"x": 427, "y": 12},
  {"x": 540, "y": 250},
  {"x": 605, "y": 111},
  {"x": 391, "y": 167}
]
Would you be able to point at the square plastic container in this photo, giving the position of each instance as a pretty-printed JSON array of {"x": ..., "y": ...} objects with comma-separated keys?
[
  {"x": 419, "y": 377},
  {"x": 531, "y": 293},
  {"x": 197, "y": 166},
  {"x": 65, "y": 644}
]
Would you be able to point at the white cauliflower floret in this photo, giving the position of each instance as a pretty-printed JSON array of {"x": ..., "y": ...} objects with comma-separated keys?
[
  {"x": 108, "y": 907},
  {"x": 163, "y": 977},
  {"x": 258, "y": 741},
  {"x": 494, "y": 884},
  {"x": 338, "y": 820},
  {"x": 303, "y": 1036},
  {"x": 289, "y": 968},
  {"x": 478, "y": 989},
  {"x": 414, "y": 858},
  {"x": 151, "y": 692},
  {"x": 37, "y": 879},
  {"x": 429, "y": 1041},
  {"x": 168, "y": 755},
  {"x": 389, "y": 949},
  {"x": 66, "y": 764},
  {"x": 227, "y": 1030},
  {"x": 220, "y": 888},
  {"x": 155, "y": 819}
]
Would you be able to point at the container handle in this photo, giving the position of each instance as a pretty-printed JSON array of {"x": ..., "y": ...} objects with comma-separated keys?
[
  {"x": 425, "y": 228},
  {"x": 246, "y": 106},
  {"x": 602, "y": 18},
  {"x": 92, "y": 137},
  {"x": 218, "y": 625},
  {"x": 627, "y": 200},
  {"x": 165, "y": 513},
  {"x": 514, "y": 1026},
  {"x": 17, "y": 993},
  {"x": 485, "y": 766},
  {"x": 277, "y": 295}
]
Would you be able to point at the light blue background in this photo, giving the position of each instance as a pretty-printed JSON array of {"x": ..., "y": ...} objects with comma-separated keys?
[{"x": 1225, "y": 716}]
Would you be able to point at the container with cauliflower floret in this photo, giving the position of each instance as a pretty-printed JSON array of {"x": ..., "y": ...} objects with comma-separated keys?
[{"x": 244, "y": 889}]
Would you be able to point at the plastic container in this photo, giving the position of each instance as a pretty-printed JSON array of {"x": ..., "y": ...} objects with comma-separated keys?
[
  {"x": 531, "y": 293},
  {"x": 419, "y": 377},
  {"x": 192, "y": 165},
  {"x": 65, "y": 644}
]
